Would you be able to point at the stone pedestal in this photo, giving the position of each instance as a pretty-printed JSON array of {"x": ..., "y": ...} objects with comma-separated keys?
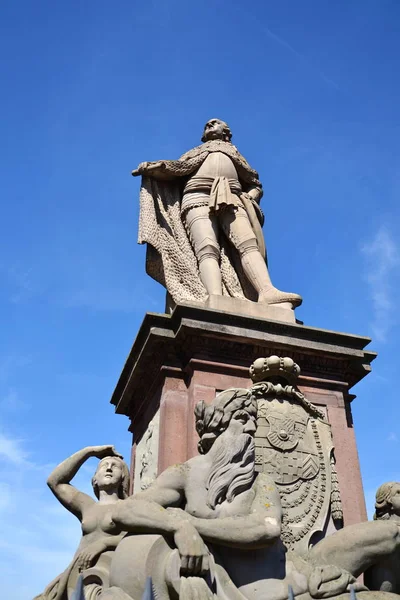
[{"x": 193, "y": 353}]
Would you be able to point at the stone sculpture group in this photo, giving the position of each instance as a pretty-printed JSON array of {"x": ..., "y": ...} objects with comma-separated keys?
[
  {"x": 221, "y": 525},
  {"x": 257, "y": 514}
]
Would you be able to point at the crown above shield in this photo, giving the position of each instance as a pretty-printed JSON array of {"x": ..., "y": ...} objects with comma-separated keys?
[{"x": 265, "y": 369}]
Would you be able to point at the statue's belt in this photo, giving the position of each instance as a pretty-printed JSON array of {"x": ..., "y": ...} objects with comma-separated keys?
[{"x": 223, "y": 191}]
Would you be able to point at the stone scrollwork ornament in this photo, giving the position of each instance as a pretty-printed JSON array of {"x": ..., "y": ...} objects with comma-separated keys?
[{"x": 294, "y": 446}]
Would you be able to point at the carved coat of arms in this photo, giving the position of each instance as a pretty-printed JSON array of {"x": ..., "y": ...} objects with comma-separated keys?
[{"x": 294, "y": 446}]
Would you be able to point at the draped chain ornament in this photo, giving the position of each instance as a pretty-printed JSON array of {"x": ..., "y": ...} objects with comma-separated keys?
[
  {"x": 311, "y": 500},
  {"x": 336, "y": 501}
]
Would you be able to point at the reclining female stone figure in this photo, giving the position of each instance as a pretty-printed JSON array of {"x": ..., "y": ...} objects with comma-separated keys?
[
  {"x": 385, "y": 575},
  {"x": 100, "y": 535}
]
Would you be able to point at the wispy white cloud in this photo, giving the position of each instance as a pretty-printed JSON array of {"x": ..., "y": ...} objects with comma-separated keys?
[
  {"x": 11, "y": 401},
  {"x": 38, "y": 536},
  {"x": 5, "y": 496},
  {"x": 382, "y": 261},
  {"x": 11, "y": 449},
  {"x": 280, "y": 41},
  {"x": 285, "y": 44},
  {"x": 392, "y": 437}
]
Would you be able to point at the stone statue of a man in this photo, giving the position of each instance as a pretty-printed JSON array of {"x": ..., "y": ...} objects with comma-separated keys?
[{"x": 201, "y": 219}]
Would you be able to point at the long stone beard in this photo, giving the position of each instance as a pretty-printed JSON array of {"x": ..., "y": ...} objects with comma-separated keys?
[{"x": 232, "y": 471}]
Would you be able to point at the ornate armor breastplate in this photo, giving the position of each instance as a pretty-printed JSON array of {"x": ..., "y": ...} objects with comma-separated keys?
[{"x": 217, "y": 164}]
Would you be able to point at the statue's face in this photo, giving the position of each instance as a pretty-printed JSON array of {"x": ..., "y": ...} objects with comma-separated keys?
[
  {"x": 241, "y": 422},
  {"x": 109, "y": 474},
  {"x": 214, "y": 130},
  {"x": 395, "y": 499}
]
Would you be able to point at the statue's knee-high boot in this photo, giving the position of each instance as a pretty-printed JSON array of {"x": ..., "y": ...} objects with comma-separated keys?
[{"x": 256, "y": 271}]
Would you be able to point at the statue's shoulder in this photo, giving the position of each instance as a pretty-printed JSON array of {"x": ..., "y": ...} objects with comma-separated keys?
[
  {"x": 193, "y": 152},
  {"x": 194, "y": 462},
  {"x": 266, "y": 483},
  {"x": 211, "y": 146}
]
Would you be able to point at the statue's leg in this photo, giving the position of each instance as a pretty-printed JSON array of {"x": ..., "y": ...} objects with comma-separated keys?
[
  {"x": 237, "y": 228},
  {"x": 357, "y": 547},
  {"x": 203, "y": 234}
]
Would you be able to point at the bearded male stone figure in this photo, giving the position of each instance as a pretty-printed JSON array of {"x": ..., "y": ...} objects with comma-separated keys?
[
  {"x": 201, "y": 219},
  {"x": 220, "y": 526}
]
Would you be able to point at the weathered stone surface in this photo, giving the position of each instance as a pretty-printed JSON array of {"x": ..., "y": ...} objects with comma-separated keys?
[
  {"x": 219, "y": 525},
  {"x": 218, "y": 522},
  {"x": 146, "y": 456},
  {"x": 276, "y": 312},
  {"x": 294, "y": 447},
  {"x": 172, "y": 341},
  {"x": 180, "y": 359}
]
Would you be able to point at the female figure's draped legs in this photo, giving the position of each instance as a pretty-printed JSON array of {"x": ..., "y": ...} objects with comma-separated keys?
[{"x": 357, "y": 547}]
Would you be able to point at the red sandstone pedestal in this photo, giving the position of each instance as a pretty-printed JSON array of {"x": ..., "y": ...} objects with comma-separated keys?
[{"x": 192, "y": 354}]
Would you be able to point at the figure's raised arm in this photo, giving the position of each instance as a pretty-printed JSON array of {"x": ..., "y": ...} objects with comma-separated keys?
[{"x": 59, "y": 480}]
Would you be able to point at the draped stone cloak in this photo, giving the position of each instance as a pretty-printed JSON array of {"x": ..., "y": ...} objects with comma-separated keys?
[{"x": 170, "y": 258}]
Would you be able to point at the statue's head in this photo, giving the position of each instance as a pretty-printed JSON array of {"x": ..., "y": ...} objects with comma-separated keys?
[
  {"x": 112, "y": 474},
  {"x": 233, "y": 410},
  {"x": 226, "y": 428},
  {"x": 387, "y": 500},
  {"x": 215, "y": 129}
]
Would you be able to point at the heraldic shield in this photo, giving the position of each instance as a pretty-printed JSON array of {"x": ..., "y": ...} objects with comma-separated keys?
[{"x": 294, "y": 446}]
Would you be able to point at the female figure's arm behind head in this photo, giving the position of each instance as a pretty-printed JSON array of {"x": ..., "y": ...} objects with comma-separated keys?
[{"x": 59, "y": 480}]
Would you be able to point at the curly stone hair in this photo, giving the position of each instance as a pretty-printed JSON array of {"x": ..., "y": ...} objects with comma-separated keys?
[
  {"x": 382, "y": 501},
  {"x": 226, "y": 130},
  {"x": 123, "y": 490},
  {"x": 213, "y": 419}
]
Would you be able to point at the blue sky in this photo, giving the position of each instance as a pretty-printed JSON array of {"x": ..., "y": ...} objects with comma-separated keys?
[{"x": 312, "y": 94}]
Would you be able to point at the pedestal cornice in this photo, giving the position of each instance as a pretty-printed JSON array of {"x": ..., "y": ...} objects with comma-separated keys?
[{"x": 214, "y": 338}]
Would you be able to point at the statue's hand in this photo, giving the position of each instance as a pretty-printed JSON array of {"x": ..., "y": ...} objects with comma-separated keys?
[
  {"x": 141, "y": 168},
  {"x": 245, "y": 195},
  {"x": 103, "y": 451},
  {"x": 148, "y": 167},
  {"x": 89, "y": 556},
  {"x": 154, "y": 166},
  {"x": 192, "y": 550},
  {"x": 328, "y": 580}
]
